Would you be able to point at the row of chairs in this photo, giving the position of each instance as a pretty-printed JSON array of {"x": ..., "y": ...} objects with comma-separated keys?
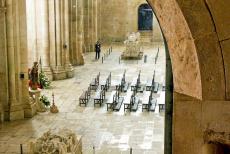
[
  {"x": 131, "y": 100},
  {"x": 100, "y": 91}
]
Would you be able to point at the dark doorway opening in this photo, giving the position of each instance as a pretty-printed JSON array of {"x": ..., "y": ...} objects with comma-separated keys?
[{"x": 145, "y": 17}]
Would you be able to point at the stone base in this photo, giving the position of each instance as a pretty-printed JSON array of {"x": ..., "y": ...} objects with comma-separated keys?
[
  {"x": 30, "y": 110},
  {"x": 137, "y": 57},
  {"x": 48, "y": 72},
  {"x": 16, "y": 113},
  {"x": 70, "y": 74},
  {"x": 39, "y": 106},
  {"x": 59, "y": 73},
  {"x": 82, "y": 60},
  {"x": 69, "y": 71}
]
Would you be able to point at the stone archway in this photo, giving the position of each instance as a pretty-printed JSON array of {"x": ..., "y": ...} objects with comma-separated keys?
[{"x": 198, "y": 41}]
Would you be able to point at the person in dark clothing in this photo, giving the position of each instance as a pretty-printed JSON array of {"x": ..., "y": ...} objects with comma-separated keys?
[{"x": 97, "y": 49}]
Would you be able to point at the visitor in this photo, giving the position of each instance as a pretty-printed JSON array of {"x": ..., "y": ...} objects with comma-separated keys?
[{"x": 97, "y": 49}]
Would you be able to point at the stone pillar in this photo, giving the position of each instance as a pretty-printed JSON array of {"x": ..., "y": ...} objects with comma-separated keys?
[
  {"x": 58, "y": 68},
  {"x": 72, "y": 31},
  {"x": 52, "y": 33},
  {"x": 94, "y": 23},
  {"x": 28, "y": 105},
  {"x": 86, "y": 26},
  {"x": 42, "y": 34},
  {"x": 80, "y": 15},
  {"x": 4, "y": 109},
  {"x": 16, "y": 111},
  {"x": 99, "y": 19},
  {"x": 66, "y": 45},
  {"x": 91, "y": 24}
]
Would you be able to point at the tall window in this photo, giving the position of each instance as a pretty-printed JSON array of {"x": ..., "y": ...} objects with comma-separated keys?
[{"x": 145, "y": 17}]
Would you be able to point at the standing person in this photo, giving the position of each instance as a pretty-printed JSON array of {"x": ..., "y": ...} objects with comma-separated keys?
[{"x": 97, "y": 49}]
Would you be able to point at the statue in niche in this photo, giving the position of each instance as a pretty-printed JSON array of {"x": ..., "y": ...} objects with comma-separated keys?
[{"x": 33, "y": 76}]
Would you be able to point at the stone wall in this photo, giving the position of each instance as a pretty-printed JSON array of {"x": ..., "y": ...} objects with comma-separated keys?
[{"x": 122, "y": 17}]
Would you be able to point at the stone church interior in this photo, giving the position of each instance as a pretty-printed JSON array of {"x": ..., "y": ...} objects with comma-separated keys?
[{"x": 115, "y": 76}]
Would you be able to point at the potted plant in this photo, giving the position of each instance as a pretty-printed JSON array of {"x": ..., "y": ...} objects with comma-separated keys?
[
  {"x": 44, "y": 99},
  {"x": 44, "y": 80}
]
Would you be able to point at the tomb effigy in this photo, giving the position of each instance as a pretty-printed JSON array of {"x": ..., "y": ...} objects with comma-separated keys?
[
  {"x": 62, "y": 142},
  {"x": 132, "y": 47}
]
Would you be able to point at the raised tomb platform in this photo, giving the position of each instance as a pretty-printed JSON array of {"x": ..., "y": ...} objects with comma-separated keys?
[
  {"x": 133, "y": 49},
  {"x": 62, "y": 142}
]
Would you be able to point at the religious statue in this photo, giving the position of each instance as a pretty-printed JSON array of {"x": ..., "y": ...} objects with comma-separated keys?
[{"x": 33, "y": 76}]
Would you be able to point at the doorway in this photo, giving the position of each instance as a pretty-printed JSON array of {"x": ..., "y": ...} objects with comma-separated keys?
[{"x": 145, "y": 18}]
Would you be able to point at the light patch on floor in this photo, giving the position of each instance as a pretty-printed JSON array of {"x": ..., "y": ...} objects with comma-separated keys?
[{"x": 109, "y": 132}]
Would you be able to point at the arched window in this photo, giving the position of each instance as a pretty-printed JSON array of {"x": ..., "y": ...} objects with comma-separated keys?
[{"x": 145, "y": 17}]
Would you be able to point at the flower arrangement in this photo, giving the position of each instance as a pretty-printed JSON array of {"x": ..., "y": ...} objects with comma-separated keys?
[
  {"x": 44, "y": 80},
  {"x": 44, "y": 99}
]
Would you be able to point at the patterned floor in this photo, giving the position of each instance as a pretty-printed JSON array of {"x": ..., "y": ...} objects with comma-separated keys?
[{"x": 108, "y": 132}]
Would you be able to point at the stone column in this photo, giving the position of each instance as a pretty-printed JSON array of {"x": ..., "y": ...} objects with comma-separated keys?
[
  {"x": 90, "y": 27},
  {"x": 16, "y": 111},
  {"x": 52, "y": 33},
  {"x": 42, "y": 32},
  {"x": 3, "y": 69},
  {"x": 99, "y": 19},
  {"x": 28, "y": 105},
  {"x": 58, "y": 68},
  {"x": 86, "y": 26},
  {"x": 93, "y": 18},
  {"x": 72, "y": 27},
  {"x": 66, "y": 45},
  {"x": 80, "y": 15}
]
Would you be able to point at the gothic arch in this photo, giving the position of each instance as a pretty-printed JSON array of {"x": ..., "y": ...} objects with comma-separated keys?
[{"x": 198, "y": 39}]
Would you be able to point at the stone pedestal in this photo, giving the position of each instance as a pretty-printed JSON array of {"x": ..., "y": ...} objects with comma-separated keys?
[
  {"x": 35, "y": 94},
  {"x": 132, "y": 51},
  {"x": 16, "y": 111},
  {"x": 133, "y": 47},
  {"x": 30, "y": 109},
  {"x": 59, "y": 73},
  {"x": 69, "y": 71}
]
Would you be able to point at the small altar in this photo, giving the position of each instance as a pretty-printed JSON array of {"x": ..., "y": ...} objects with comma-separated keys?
[{"x": 133, "y": 48}]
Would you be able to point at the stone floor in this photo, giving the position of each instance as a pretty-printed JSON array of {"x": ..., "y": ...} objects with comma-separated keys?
[{"x": 108, "y": 132}]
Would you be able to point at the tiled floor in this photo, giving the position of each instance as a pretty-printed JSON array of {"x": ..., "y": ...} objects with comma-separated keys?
[{"x": 108, "y": 132}]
